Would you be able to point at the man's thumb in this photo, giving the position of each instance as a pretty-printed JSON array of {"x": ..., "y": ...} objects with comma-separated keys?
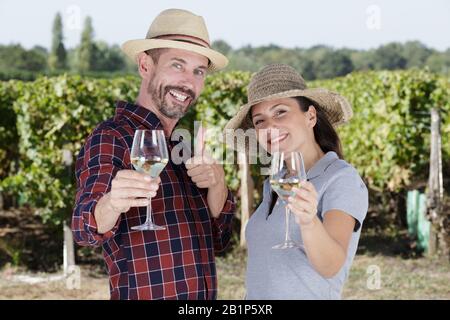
[{"x": 199, "y": 147}]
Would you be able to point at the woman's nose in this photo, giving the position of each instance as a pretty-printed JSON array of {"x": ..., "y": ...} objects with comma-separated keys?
[
  {"x": 268, "y": 124},
  {"x": 268, "y": 130}
]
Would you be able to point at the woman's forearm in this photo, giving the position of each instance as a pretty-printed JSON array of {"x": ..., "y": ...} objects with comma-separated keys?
[{"x": 324, "y": 253}]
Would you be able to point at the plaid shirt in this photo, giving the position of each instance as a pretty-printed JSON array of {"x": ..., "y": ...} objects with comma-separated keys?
[{"x": 176, "y": 263}]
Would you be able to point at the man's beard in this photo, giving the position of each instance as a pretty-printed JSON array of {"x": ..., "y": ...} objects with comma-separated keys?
[{"x": 176, "y": 111}]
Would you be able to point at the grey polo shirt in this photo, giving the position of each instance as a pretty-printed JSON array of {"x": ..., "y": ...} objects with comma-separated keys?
[{"x": 287, "y": 274}]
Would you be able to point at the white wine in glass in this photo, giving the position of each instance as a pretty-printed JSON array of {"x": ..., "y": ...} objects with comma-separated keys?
[
  {"x": 283, "y": 187},
  {"x": 151, "y": 166},
  {"x": 149, "y": 155},
  {"x": 287, "y": 172}
]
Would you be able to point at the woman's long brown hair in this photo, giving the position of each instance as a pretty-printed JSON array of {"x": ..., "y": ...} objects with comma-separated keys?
[{"x": 324, "y": 134}]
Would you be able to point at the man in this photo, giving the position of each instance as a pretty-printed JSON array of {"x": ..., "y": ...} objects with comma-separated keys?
[{"x": 190, "y": 200}]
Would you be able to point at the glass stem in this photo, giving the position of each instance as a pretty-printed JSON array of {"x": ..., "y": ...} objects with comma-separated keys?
[
  {"x": 287, "y": 238},
  {"x": 148, "y": 220}
]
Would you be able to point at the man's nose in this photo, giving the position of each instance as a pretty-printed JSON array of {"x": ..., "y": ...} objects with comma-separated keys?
[{"x": 188, "y": 81}]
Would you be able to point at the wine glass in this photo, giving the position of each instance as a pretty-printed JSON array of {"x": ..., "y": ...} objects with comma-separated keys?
[
  {"x": 149, "y": 155},
  {"x": 287, "y": 171}
]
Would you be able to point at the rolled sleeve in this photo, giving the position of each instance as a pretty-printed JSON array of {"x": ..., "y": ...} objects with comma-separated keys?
[
  {"x": 84, "y": 225},
  {"x": 97, "y": 164},
  {"x": 348, "y": 193},
  {"x": 222, "y": 225}
]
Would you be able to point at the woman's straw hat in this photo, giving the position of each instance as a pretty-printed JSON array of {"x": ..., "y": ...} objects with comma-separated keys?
[{"x": 277, "y": 81}]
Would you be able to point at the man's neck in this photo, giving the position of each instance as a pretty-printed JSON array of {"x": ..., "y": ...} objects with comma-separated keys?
[{"x": 167, "y": 123}]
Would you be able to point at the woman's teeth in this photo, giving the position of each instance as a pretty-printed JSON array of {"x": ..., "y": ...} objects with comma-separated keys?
[
  {"x": 279, "y": 138},
  {"x": 179, "y": 96}
]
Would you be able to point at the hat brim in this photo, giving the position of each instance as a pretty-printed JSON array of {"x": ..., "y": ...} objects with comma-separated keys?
[
  {"x": 337, "y": 109},
  {"x": 133, "y": 47}
]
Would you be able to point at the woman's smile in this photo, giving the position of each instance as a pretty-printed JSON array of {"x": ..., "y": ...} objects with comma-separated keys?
[{"x": 277, "y": 139}]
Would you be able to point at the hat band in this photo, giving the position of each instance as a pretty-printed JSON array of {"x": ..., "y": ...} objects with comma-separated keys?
[{"x": 164, "y": 37}]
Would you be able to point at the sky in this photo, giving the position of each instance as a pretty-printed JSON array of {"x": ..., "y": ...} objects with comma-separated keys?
[{"x": 358, "y": 24}]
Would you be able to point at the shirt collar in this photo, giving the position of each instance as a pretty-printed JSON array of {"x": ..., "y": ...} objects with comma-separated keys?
[
  {"x": 142, "y": 115},
  {"x": 322, "y": 165}
]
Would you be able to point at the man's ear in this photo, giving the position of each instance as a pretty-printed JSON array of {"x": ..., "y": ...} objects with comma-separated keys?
[
  {"x": 311, "y": 116},
  {"x": 145, "y": 65}
]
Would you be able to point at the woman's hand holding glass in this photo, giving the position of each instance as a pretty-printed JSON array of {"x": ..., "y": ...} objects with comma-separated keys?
[{"x": 303, "y": 204}]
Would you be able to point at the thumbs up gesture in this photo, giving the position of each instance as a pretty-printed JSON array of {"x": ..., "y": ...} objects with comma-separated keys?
[{"x": 205, "y": 172}]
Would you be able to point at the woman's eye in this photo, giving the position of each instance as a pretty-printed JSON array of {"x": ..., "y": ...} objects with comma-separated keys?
[
  {"x": 257, "y": 122},
  {"x": 279, "y": 112}
]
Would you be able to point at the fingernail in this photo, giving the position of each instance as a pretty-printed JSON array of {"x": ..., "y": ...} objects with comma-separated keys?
[{"x": 147, "y": 178}]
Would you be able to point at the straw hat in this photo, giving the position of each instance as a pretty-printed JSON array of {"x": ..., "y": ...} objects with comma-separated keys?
[
  {"x": 177, "y": 29},
  {"x": 277, "y": 81}
]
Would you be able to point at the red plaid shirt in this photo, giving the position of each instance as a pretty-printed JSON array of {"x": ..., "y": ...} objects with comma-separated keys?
[{"x": 176, "y": 263}]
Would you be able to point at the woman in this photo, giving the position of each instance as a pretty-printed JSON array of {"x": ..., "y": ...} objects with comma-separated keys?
[{"x": 328, "y": 209}]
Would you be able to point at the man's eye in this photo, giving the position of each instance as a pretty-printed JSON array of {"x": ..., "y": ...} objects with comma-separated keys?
[
  {"x": 199, "y": 73},
  {"x": 177, "y": 65}
]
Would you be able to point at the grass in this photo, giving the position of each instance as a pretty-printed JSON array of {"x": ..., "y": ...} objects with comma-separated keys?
[
  {"x": 421, "y": 278},
  {"x": 231, "y": 275},
  {"x": 400, "y": 278},
  {"x": 404, "y": 274}
]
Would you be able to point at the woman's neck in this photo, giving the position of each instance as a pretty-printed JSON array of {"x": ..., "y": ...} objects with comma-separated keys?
[{"x": 311, "y": 154}]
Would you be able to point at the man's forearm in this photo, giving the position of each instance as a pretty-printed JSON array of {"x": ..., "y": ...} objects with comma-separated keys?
[
  {"x": 216, "y": 199},
  {"x": 104, "y": 214}
]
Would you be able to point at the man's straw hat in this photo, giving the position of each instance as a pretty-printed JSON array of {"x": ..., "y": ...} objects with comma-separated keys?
[{"x": 177, "y": 29}]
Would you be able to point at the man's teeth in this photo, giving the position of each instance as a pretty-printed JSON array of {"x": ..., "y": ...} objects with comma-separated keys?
[{"x": 178, "y": 96}]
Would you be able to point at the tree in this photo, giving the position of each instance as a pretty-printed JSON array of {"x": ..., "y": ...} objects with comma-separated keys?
[
  {"x": 107, "y": 58},
  {"x": 362, "y": 60},
  {"x": 439, "y": 62},
  {"x": 15, "y": 57},
  {"x": 333, "y": 64},
  {"x": 35, "y": 59},
  {"x": 306, "y": 67},
  {"x": 57, "y": 59},
  {"x": 222, "y": 47},
  {"x": 389, "y": 57},
  {"x": 416, "y": 54},
  {"x": 86, "y": 48}
]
